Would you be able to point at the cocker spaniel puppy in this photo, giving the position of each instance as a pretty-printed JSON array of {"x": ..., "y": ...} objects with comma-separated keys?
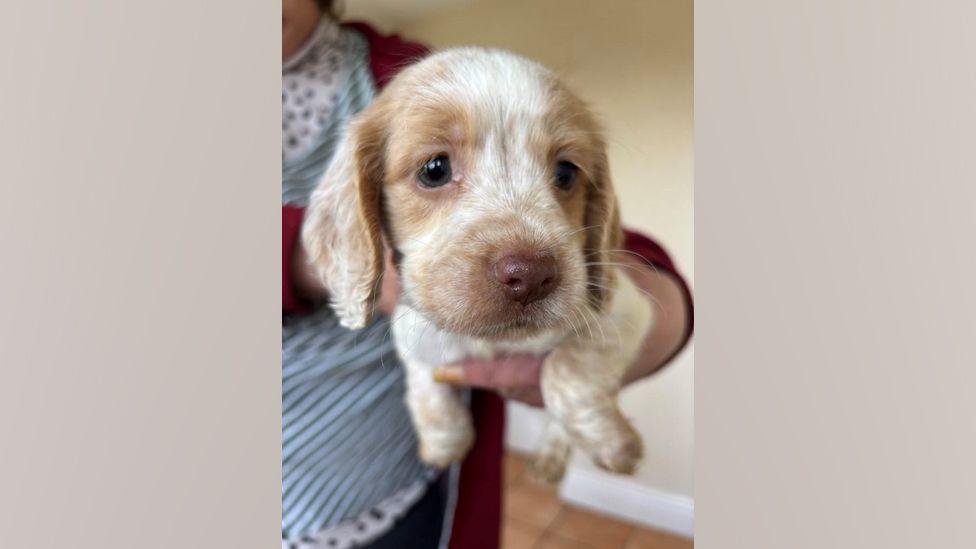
[{"x": 488, "y": 179}]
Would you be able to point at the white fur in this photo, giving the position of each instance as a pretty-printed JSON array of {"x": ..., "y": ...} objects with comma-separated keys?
[
  {"x": 508, "y": 199},
  {"x": 333, "y": 235}
]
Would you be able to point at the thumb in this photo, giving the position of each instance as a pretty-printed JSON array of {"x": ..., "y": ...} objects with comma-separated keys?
[{"x": 500, "y": 373}]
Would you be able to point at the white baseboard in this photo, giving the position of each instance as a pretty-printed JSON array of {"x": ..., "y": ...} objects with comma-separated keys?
[
  {"x": 524, "y": 427},
  {"x": 627, "y": 500},
  {"x": 603, "y": 492}
]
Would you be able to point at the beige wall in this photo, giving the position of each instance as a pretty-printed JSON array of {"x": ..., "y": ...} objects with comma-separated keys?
[{"x": 633, "y": 60}]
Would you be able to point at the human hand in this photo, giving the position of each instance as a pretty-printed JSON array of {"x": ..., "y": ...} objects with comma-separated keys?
[
  {"x": 515, "y": 377},
  {"x": 390, "y": 287},
  {"x": 310, "y": 286}
]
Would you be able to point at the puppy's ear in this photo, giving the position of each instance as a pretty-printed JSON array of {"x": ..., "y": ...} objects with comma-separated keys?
[
  {"x": 604, "y": 233},
  {"x": 342, "y": 232}
]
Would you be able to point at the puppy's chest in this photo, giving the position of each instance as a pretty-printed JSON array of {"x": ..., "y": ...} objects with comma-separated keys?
[{"x": 418, "y": 340}]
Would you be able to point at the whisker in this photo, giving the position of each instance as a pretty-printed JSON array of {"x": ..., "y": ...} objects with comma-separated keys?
[
  {"x": 638, "y": 288},
  {"x": 571, "y": 233},
  {"x": 572, "y": 322},
  {"x": 628, "y": 252},
  {"x": 421, "y": 242},
  {"x": 587, "y": 322},
  {"x": 599, "y": 325}
]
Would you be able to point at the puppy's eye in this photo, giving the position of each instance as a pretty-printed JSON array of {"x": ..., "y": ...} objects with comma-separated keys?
[
  {"x": 566, "y": 174},
  {"x": 436, "y": 172}
]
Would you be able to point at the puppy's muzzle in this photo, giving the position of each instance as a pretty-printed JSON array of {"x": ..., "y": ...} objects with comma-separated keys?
[{"x": 526, "y": 278}]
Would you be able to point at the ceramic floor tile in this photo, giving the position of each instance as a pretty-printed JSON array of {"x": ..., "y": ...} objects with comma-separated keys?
[
  {"x": 597, "y": 531},
  {"x": 555, "y": 541},
  {"x": 644, "y": 538},
  {"x": 531, "y": 503},
  {"x": 514, "y": 466},
  {"x": 519, "y": 535}
]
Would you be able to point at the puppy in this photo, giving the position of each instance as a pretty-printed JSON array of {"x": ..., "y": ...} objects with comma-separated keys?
[{"x": 488, "y": 179}]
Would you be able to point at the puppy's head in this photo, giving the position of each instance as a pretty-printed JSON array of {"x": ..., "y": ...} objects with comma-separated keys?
[{"x": 489, "y": 180}]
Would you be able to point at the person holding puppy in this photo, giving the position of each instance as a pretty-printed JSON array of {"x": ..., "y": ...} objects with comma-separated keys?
[{"x": 351, "y": 475}]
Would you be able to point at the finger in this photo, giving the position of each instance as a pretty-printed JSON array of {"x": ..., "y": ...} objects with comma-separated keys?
[{"x": 507, "y": 372}]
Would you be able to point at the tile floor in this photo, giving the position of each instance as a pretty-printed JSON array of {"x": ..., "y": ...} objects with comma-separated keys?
[{"x": 535, "y": 518}]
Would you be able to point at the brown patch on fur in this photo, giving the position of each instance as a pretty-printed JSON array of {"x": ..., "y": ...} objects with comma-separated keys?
[
  {"x": 419, "y": 130},
  {"x": 576, "y": 136},
  {"x": 351, "y": 191},
  {"x": 368, "y": 136}
]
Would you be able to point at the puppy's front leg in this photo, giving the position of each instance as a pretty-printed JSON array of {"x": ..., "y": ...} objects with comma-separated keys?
[
  {"x": 549, "y": 464},
  {"x": 440, "y": 418},
  {"x": 579, "y": 387}
]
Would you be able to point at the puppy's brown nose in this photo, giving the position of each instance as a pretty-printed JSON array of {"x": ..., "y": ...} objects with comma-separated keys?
[{"x": 526, "y": 278}]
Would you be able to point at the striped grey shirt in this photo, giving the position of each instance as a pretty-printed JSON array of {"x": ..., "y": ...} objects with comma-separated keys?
[{"x": 348, "y": 446}]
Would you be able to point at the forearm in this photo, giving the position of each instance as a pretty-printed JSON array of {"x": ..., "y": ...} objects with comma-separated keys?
[
  {"x": 307, "y": 284},
  {"x": 666, "y": 295},
  {"x": 292, "y": 276}
]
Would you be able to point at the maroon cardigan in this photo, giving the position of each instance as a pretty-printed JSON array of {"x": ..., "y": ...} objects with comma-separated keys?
[{"x": 478, "y": 515}]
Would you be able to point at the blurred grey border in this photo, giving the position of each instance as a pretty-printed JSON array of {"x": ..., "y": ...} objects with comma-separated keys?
[
  {"x": 140, "y": 399},
  {"x": 139, "y": 342},
  {"x": 835, "y": 221}
]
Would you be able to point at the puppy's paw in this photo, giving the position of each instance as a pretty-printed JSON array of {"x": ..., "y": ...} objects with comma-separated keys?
[
  {"x": 621, "y": 453},
  {"x": 547, "y": 468},
  {"x": 442, "y": 447}
]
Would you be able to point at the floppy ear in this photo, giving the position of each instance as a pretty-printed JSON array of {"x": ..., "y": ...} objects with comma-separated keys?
[
  {"x": 604, "y": 233},
  {"x": 342, "y": 232}
]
